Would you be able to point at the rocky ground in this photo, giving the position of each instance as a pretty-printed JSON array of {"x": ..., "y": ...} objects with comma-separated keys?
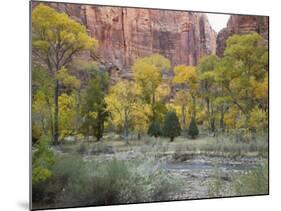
[
  {"x": 199, "y": 173},
  {"x": 198, "y": 170}
]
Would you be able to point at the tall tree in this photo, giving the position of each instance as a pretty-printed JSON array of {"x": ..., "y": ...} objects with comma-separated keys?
[
  {"x": 43, "y": 159},
  {"x": 193, "y": 129},
  {"x": 42, "y": 101},
  {"x": 154, "y": 129},
  {"x": 140, "y": 116},
  {"x": 94, "y": 107},
  {"x": 85, "y": 71},
  {"x": 56, "y": 39},
  {"x": 242, "y": 70},
  {"x": 182, "y": 98},
  {"x": 187, "y": 78},
  {"x": 148, "y": 75},
  {"x": 171, "y": 126},
  {"x": 67, "y": 115},
  {"x": 69, "y": 86},
  {"x": 209, "y": 89},
  {"x": 122, "y": 102}
]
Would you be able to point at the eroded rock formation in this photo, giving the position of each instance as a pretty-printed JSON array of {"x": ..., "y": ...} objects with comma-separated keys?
[
  {"x": 125, "y": 34},
  {"x": 242, "y": 24}
]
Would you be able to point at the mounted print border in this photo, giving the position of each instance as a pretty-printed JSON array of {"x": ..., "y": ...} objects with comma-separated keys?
[{"x": 138, "y": 105}]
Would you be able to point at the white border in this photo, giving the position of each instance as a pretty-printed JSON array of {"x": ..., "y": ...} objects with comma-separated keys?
[{"x": 14, "y": 110}]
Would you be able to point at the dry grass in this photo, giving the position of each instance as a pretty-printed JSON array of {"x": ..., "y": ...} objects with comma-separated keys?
[{"x": 211, "y": 146}]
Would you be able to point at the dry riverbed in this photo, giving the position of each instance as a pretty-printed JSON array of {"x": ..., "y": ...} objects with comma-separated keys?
[{"x": 192, "y": 161}]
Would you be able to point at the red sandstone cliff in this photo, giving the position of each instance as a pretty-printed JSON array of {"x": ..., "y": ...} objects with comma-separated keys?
[
  {"x": 242, "y": 24},
  {"x": 125, "y": 34}
]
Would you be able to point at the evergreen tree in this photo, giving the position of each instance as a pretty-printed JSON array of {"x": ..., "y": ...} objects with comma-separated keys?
[
  {"x": 171, "y": 126},
  {"x": 193, "y": 129},
  {"x": 154, "y": 129}
]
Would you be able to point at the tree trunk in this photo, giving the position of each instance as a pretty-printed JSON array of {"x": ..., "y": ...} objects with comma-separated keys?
[
  {"x": 171, "y": 139},
  {"x": 51, "y": 117},
  {"x": 153, "y": 107},
  {"x": 212, "y": 118},
  {"x": 247, "y": 120},
  {"x": 183, "y": 116},
  {"x": 101, "y": 129},
  {"x": 194, "y": 107},
  {"x": 213, "y": 127},
  {"x": 126, "y": 127},
  {"x": 45, "y": 130},
  {"x": 126, "y": 135},
  {"x": 222, "y": 120},
  {"x": 56, "y": 113},
  {"x": 77, "y": 111},
  {"x": 208, "y": 114}
]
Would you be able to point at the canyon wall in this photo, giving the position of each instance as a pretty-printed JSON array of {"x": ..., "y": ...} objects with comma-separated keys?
[
  {"x": 242, "y": 24},
  {"x": 125, "y": 34}
]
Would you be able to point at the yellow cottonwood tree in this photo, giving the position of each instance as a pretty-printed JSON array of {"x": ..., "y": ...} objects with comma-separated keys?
[
  {"x": 42, "y": 102},
  {"x": 122, "y": 102},
  {"x": 56, "y": 39},
  {"x": 182, "y": 99},
  {"x": 162, "y": 91},
  {"x": 67, "y": 117},
  {"x": 140, "y": 117},
  {"x": 187, "y": 78},
  {"x": 209, "y": 89},
  {"x": 66, "y": 79},
  {"x": 147, "y": 73},
  {"x": 242, "y": 72}
]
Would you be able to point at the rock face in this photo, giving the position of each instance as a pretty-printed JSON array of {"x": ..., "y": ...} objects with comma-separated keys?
[
  {"x": 242, "y": 24},
  {"x": 125, "y": 34}
]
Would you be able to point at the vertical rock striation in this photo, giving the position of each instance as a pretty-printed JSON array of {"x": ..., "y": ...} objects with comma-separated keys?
[
  {"x": 242, "y": 24},
  {"x": 125, "y": 34}
]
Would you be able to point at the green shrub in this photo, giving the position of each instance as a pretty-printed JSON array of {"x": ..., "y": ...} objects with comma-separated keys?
[
  {"x": 151, "y": 181},
  {"x": 216, "y": 186},
  {"x": 66, "y": 187},
  {"x": 154, "y": 129},
  {"x": 76, "y": 182},
  {"x": 69, "y": 184},
  {"x": 82, "y": 149},
  {"x": 193, "y": 129},
  {"x": 171, "y": 126},
  {"x": 36, "y": 133},
  {"x": 252, "y": 182},
  {"x": 101, "y": 148},
  {"x": 42, "y": 160},
  {"x": 138, "y": 180},
  {"x": 108, "y": 182},
  {"x": 165, "y": 186}
]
